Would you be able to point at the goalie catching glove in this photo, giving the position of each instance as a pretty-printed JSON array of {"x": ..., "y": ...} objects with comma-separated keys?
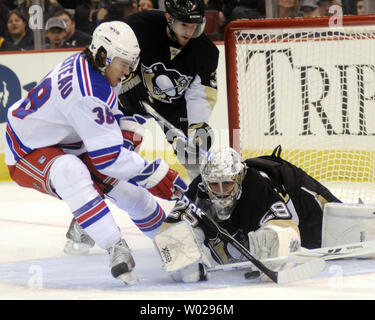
[
  {"x": 183, "y": 253},
  {"x": 199, "y": 140},
  {"x": 132, "y": 131},
  {"x": 160, "y": 180}
]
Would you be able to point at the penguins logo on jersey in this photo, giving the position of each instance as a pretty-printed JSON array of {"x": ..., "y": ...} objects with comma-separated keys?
[{"x": 164, "y": 84}]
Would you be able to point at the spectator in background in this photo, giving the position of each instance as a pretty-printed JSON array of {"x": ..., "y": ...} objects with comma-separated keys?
[
  {"x": 55, "y": 33},
  {"x": 74, "y": 37},
  {"x": 86, "y": 16},
  {"x": 237, "y": 9},
  {"x": 212, "y": 20},
  {"x": 18, "y": 31},
  {"x": 116, "y": 9},
  {"x": 349, "y": 6},
  {"x": 6, "y": 45},
  {"x": 4, "y": 11},
  {"x": 10, "y": 4},
  {"x": 245, "y": 9},
  {"x": 287, "y": 8},
  {"x": 145, "y": 5},
  {"x": 310, "y": 8},
  {"x": 69, "y": 4},
  {"x": 324, "y": 6},
  {"x": 360, "y": 7},
  {"x": 50, "y": 7},
  {"x": 121, "y": 9}
]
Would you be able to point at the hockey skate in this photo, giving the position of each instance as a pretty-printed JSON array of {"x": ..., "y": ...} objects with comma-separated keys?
[
  {"x": 78, "y": 241},
  {"x": 122, "y": 263}
]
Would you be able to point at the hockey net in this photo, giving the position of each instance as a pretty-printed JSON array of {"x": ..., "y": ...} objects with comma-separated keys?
[{"x": 309, "y": 86}]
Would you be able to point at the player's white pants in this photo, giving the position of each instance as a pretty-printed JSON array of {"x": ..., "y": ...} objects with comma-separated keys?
[
  {"x": 72, "y": 182},
  {"x": 141, "y": 206}
]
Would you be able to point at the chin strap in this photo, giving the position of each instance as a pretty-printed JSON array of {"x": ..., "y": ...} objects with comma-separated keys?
[{"x": 172, "y": 34}]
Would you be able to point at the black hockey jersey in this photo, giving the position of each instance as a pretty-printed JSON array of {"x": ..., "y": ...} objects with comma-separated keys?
[
  {"x": 166, "y": 72},
  {"x": 268, "y": 180}
]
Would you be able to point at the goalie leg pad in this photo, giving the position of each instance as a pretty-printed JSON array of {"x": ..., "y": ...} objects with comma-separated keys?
[
  {"x": 347, "y": 223},
  {"x": 177, "y": 247},
  {"x": 182, "y": 253}
]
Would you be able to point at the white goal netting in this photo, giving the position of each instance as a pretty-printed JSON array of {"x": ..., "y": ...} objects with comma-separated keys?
[{"x": 310, "y": 89}]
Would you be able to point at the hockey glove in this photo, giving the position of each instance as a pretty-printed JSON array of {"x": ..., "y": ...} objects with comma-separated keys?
[
  {"x": 132, "y": 131},
  {"x": 201, "y": 134},
  {"x": 190, "y": 150},
  {"x": 160, "y": 180}
]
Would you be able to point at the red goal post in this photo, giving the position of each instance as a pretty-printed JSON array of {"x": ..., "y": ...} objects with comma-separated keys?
[{"x": 307, "y": 84}]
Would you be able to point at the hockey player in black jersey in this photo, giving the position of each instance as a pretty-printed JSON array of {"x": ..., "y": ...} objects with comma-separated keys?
[
  {"x": 176, "y": 74},
  {"x": 269, "y": 205}
]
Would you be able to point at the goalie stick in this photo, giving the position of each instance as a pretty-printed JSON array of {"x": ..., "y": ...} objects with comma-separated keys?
[
  {"x": 303, "y": 271},
  {"x": 352, "y": 250}
]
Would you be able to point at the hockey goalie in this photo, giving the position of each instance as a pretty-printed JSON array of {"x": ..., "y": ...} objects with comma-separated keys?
[{"x": 267, "y": 204}]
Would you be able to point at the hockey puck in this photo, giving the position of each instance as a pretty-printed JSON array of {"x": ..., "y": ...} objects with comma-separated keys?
[{"x": 252, "y": 274}]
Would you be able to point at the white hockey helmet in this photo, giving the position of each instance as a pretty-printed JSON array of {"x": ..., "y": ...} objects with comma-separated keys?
[
  {"x": 119, "y": 40},
  {"x": 222, "y": 172}
]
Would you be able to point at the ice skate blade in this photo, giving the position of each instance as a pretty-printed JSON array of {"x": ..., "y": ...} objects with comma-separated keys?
[{"x": 129, "y": 278}]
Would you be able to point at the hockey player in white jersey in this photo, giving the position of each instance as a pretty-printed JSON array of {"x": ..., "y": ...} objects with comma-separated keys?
[{"x": 73, "y": 112}]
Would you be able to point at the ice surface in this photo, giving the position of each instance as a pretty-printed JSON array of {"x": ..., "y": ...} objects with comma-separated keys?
[{"x": 34, "y": 266}]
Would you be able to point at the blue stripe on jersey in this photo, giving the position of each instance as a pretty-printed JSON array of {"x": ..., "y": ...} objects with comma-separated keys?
[
  {"x": 79, "y": 76},
  {"x": 104, "y": 151},
  {"x": 99, "y": 85},
  {"x": 103, "y": 158},
  {"x": 14, "y": 142},
  {"x": 118, "y": 117},
  {"x": 113, "y": 103}
]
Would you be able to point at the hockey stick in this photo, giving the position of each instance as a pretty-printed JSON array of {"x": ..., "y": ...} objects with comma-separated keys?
[
  {"x": 178, "y": 132},
  {"x": 158, "y": 117},
  {"x": 352, "y": 250},
  {"x": 151, "y": 111},
  {"x": 303, "y": 271}
]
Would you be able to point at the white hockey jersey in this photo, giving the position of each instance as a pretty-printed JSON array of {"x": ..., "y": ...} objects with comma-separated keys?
[{"x": 74, "y": 108}]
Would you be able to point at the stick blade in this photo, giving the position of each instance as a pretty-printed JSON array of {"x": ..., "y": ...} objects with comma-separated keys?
[{"x": 302, "y": 271}]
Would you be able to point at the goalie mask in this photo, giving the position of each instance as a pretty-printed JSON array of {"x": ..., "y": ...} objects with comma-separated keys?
[
  {"x": 187, "y": 17},
  {"x": 222, "y": 174},
  {"x": 118, "y": 40}
]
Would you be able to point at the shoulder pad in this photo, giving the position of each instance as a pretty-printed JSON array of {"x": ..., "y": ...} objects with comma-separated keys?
[{"x": 93, "y": 83}]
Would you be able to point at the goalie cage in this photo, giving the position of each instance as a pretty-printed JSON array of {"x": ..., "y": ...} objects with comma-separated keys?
[{"x": 307, "y": 84}]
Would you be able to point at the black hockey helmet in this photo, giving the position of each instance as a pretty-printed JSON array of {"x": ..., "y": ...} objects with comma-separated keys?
[
  {"x": 186, "y": 11},
  {"x": 189, "y": 11}
]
